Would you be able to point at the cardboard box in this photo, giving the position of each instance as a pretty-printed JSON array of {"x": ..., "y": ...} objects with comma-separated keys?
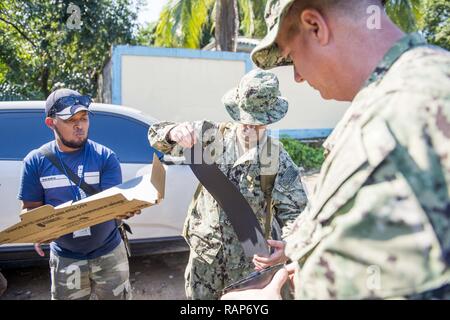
[{"x": 48, "y": 222}]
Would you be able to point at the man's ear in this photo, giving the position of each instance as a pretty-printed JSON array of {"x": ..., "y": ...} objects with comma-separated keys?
[
  {"x": 315, "y": 26},
  {"x": 49, "y": 123}
]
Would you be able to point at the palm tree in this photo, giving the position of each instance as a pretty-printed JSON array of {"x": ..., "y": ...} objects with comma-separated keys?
[
  {"x": 190, "y": 23},
  {"x": 227, "y": 25}
]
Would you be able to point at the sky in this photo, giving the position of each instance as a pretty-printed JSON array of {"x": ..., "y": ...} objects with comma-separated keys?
[{"x": 151, "y": 11}]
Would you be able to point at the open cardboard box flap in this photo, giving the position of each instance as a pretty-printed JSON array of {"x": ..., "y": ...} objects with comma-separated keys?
[{"x": 48, "y": 222}]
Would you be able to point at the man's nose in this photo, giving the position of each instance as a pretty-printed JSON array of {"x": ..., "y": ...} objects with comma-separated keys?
[{"x": 298, "y": 78}]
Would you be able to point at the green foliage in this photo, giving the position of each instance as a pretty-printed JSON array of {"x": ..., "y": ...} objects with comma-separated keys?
[
  {"x": 146, "y": 35},
  {"x": 430, "y": 17},
  {"x": 183, "y": 22},
  {"x": 308, "y": 157},
  {"x": 407, "y": 14},
  {"x": 39, "y": 52},
  {"x": 191, "y": 23},
  {"x": 251, "y": 15},
  {"x": 437, "y": 22}
]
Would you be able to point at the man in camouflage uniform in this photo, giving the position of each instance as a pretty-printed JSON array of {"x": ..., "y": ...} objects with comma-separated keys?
[
  {"x": 217, "y": 258},
  {"x": 378, "y": 223}
]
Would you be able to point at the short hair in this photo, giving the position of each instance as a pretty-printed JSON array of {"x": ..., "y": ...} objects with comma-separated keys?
[
  {"x": 346, "y": 6},
  {"x": 323, "y": 5}
]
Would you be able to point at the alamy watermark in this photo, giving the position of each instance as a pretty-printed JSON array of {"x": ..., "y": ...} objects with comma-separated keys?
[
  {"x": 373, "y": 22},
  {"x": 74, "y": 279},
  {"x": 74, "y": 20},
  {"x": 212, "y": 147},
  {"x": 373, "y": 280}
]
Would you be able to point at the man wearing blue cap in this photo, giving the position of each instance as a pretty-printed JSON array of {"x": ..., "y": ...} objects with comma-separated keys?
[{"x": 91, "y": 260}]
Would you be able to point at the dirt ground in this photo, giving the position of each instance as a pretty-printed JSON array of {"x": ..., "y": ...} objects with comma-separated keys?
[{"x": 157, "y": 277}]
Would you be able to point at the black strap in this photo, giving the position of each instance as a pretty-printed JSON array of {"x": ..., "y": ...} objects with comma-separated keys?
[
  {"x": 238, "y": 210},
  {"x": 50, "y": 155}
]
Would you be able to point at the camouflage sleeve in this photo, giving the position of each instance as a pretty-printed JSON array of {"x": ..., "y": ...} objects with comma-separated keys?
[
  {"x": 288, "y": 196},
  {"x": 158, "y": 136}
]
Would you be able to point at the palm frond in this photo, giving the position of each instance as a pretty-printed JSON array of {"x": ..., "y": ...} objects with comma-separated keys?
[
  {"x": 164, "y": 36},
  {"x": 181, "y": 23},
  {"x": 195, "y": 21},
  {"x": 407, "y": 14},
  {"x": 251, "y": 14},
  {"x": 247, "y": 17}
]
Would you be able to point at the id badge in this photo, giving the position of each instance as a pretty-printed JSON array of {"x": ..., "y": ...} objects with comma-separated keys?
[
  {"x": 86, "y": 232},
  {"x": 82, "y": 233}
]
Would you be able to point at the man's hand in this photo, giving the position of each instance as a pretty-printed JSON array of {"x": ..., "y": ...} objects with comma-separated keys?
[
  {"x": 38, "y": 249},
  {"x": 291, "y": 271},
  {"x": 183, "y": 134},
  {"x": 271, "y": 292},
  {"x": 275, "y": 258},
  {"x": 129, "y": 215}
]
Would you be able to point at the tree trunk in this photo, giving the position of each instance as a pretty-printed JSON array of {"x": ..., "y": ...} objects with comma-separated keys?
[
  {"x": 227, "y": 25},
  {"x": 44, "y": 81}
]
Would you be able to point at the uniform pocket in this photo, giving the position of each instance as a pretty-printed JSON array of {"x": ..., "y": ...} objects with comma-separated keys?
[{"x": 364, "y": 149}]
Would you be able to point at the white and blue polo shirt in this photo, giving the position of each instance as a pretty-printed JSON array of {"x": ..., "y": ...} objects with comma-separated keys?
[{"x": 42, "y": 181}]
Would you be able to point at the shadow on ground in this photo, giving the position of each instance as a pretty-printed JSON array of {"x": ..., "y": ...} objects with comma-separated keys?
[{"x": 157, "y": 277}]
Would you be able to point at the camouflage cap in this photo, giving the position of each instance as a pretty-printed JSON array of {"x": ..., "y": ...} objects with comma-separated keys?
[
  {"x": 266, "y": 55},
  {"x": 257, "y": 100}
]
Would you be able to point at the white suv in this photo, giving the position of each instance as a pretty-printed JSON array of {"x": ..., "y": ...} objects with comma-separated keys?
[{"x": 124, "y": 130}]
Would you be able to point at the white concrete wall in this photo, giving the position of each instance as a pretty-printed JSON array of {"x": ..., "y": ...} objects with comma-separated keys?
[
  {"x": 186, "y": 89},
  {"x": 178, "y": 89},
  {"x": 307, "y": 109}
]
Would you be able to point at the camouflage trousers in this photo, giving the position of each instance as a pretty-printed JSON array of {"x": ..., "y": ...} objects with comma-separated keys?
[
  {"x": 104, "y": 278},
  {"x": 204, "y": 281}
]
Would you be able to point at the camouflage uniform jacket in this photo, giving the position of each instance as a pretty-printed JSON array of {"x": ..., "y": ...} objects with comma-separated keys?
[
  {"x": 207, "y": 228},
  {"x": 378, "y": 223}
]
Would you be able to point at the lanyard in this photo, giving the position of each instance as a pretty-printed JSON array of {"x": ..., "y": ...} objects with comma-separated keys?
[{"x": 74, "y": 188}]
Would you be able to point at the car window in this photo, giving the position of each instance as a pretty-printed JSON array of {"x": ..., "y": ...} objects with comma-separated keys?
[
  {"x": 126, "y": 136},
  {"x": 22, "y": 131}
]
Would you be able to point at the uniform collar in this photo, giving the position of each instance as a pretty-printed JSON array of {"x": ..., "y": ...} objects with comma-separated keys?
[
  {"x": 404, "y": 44},
  {"x": 250, "y": 155}
]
